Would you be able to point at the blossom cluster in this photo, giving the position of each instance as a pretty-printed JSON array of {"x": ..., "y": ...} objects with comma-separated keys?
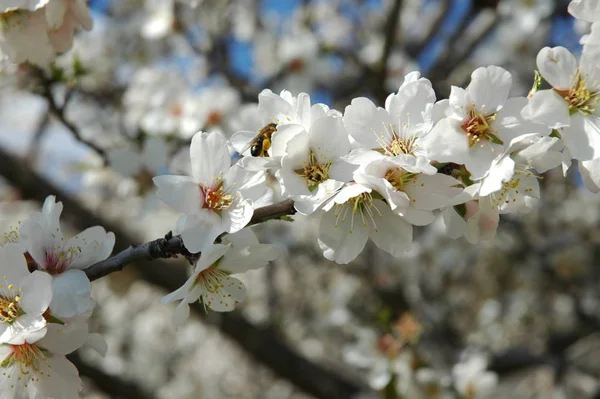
[
  {"x": 45, "y": 304},
  {"x": 36, "y": 31},
  {"x": 365, "y": 172},
  {"x": 374, "y": 172}
]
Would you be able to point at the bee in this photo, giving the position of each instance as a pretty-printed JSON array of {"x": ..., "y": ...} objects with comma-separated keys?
[{"x": 262, "y": 142}]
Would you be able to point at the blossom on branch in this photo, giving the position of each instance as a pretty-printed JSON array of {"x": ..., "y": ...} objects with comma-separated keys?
[
  {"x": 211, "y": 283},
  {"x": 65, "y": 259}
]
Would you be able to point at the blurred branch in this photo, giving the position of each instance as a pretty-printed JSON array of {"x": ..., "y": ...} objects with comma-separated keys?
[
  {"x": 59, "y": 111},
  {"x": 109, "y": 384},
  {"x": 416, "y": 49},
  {"x": 263, "y": 343},
  {"x": 391, "y": 28}
]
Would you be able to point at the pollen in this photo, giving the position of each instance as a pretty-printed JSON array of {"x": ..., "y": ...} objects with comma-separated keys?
[
  {"x": 399, "y": 178},
  {"x": 25, "y": 362},
  {"x": 9, "y": 302},
  {"x": 313, "y": 172},
  {"x": 478, "y": 127},
  {"x": 357, "y": 207},
  {"x": 216, "y": 198},
  {"x": 393, "y": 143},
  {"x": 580, "y": 98},
  {"x": 58, "y": 260}
]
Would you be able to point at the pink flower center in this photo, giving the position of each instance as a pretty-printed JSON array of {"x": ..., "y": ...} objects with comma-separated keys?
[
  {"x": 478, "y": 127},
  {"x": 216, "y": 198}
]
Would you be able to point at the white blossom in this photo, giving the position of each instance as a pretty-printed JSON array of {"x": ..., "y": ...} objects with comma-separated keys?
[
  {"x": 211, "y": 283},
  {"x": 65, "y": 259},
  {"x": 573, "y": 105},
  {"x": 399, "y": 128},
  {"x": 480, "y": 122},
  {"x": 24, "y": 297},
  {"x": 217, "y": 197}
]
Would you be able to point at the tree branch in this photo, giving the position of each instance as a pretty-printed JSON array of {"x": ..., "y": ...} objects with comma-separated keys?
[
  {"x": 112, "y": 385},
  {"x": 171, "y": 246},
  {"x": 264, "y": 344}
]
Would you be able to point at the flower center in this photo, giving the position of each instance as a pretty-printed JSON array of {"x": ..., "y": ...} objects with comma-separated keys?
[
  {"x": 176, "y": 110},
  {"x": 399, "y": 178},
  {"x": 214, "y": 118},
  {"x": 515, "y": 187},
  {"x": 470, "y": 391},
  {"x": 58, "y": 262},
  {"x": 313, "y": 172},
  {"x": 392, "y": 143},
  {"x": 145, "y": 182},
  {"x": 10, "y": 237},
  {"x": 296, "y": 65},
  {"x": 399, "y": 146},
  {"x": 388, "y": 346},
  {"x": 9, "y": 303},
  {"x": 361, "y": 205},
  {"x": 580, "y": 97},
  {"x": 211, "y": 280},
  {"x": 478, "y": 127},
  {"x": 27, "y": 358},
  {"x": 216, "y": 198}
]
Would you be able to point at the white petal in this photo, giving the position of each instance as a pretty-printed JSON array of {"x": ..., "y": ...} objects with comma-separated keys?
[
  {"x": 63, "y": 382},
  {"x": 590, "y": 173},
  {"x": 210, "y": 157},
  {"x": 223, "y": 299},
  {"x": 55, "y": 12},
  {"x": 343, "y": 238},
  {"x": 240, "y": 259},
  {"x": 393, "y": 234},
  {"x": 237, "y": 216},
  {"x": 549, "y": 108},
  {"x": 180, "y": 192},
  {"x": 501, "y": 172},
  {"x": 71, "y": 294},
  {"x": 200, "y": 231},
  {"x": 13, "y": 267},
  {"x": 582, "y": 138},
  {"x": 37, "y": 293},
  {"x": 587, "y": 10},
  {"x": 64, "y": 339},
  {"x": 328, "y": 138},
  {"x": 558, "y": 66},
  {"x": 27, "y": 328},
  {"x": 181, "y": 314},
  {"x": 489, "y": 88}
]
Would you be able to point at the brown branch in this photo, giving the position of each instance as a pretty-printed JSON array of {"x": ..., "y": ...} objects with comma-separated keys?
[
  {"x": 416, "y": 49},
  {"x": 264, "y": 344},
  {"x": 109, "y": 384},
  {"x": 171, "y": 246},
  {"x": 391, "y": 28}
]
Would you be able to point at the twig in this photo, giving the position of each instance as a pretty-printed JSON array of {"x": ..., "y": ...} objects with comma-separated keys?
[
  {"x": 112, "y": 385},
  {"x": 391, "y": 27},
  {"x": 263, "y": 344},
  {"x": 171, "y": 246}
]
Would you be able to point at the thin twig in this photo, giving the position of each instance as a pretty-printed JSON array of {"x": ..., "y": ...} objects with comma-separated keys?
[{"x": 171, "y": 246}]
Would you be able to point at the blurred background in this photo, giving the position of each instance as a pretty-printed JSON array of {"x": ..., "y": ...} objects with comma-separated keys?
[{"x": 515, "y": 318}]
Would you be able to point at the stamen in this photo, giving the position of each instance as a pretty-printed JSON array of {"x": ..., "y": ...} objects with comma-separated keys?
[
  {"x": 27, "y": 360},
  {"x": 478, "y": 127},
  {"x": 216, "y": 198},
  {"x": 580, "y": 98},
  {"x": 399, "y": 178},
  {"x": 313, "y": 172}
]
